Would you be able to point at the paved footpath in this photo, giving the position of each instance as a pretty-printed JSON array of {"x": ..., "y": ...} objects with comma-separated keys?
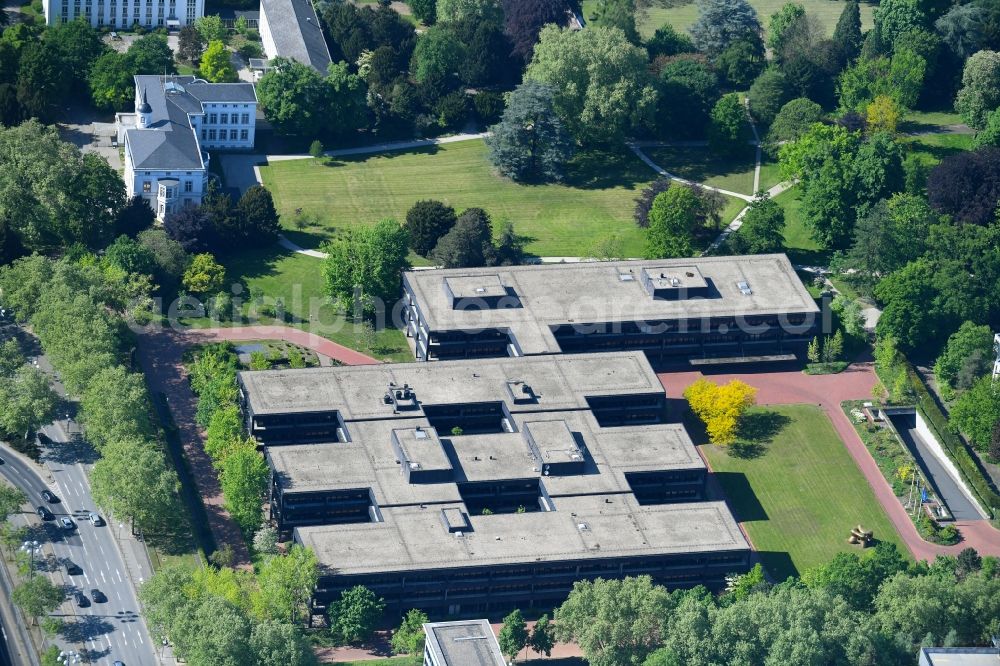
[{"x": 828, "y": 391}]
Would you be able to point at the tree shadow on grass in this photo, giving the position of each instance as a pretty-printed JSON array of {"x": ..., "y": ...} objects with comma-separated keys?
[
  {"x": 344, "y": 160},
  {"x": 762, "y": 427},
  {"x": 741, "y": 496},
  {"x": 778, "y": 565},
  {"x": 604, "y": 169}
]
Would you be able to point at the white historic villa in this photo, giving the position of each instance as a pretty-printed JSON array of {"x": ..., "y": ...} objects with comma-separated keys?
[
  {"x": 177, "y": 120},
  {"x": 123, "y": 14}
]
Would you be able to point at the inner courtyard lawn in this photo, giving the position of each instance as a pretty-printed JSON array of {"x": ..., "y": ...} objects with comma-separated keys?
[
  {"x": 797, "y": 492},
  {"x": 595, "y": 202}
]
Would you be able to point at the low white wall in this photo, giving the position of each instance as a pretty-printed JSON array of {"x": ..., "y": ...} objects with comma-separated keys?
[{"x": 935, "y": 446}]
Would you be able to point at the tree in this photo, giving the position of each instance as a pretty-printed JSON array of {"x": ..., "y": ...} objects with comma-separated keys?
[
  {"x": 780, "y": 22},
  {"x": 793, "y": 120},
  {"x": 298, "y": 100},
  {"x": 469, "y": 243},
  {"x": 111, "y": 77},
  {"x": 354, "y": 616},
  {"x": 224, "y": 433},
  {"x": 524, "y": 19},
  {"x": 667, "y": 41},
  {"x": 895, "y": 18},
  {"x": 366, "y": 265},
  {"x": 721, "y": 22},
  {"x": 906, "y": 295},
  {"x": 900, "y": 78},
  {"x": 41, "y": 83},
  {"x": 265, "y": 540},
  {"x": 980, "y": 92},
  {"x": 190, "y": 227},
  {"x": 728, "y": 131},
  {"x": 529, "y": 143},
  {"x": 742, "y": 61},
  {"x": 481, "y": 11},
  {"x": 287, "y": 582},
  {"x": 243, "y": 477},
  {"x": 977, "y": 411},
  {"x": 190, "y": 44},
  {"x": 212, "y": 630},
  {"x": 509, "y": 247},
  {"x": 409, "y": 637},
  {"x": 768, "y": 94},
  {"x": 962, "y": 29},
  {"x": 425, "y": 11},
  {"x": 204, "y": 275},
  {"x": 170, "y": 257},
  {"x": 966, "y": 356},
  {"x": 513, "y": 635},
  {"x": 11, "y": 358},
  {"x": 602, "y": 88},
  {"x": 762, "y": 231},
  {"x": 813, "y": 352},
  {"x": 26, "y": 402},
  {"x": 672, "y": 222},
  {"x": 258, "y": 217},
  {"x": 116, "y": 407},
  {"x": 426, "y": 222},
  {"x": 542, "y": 636},
  {"x": 211, "y": 29},
  {"x": 133, "y": 481},
  {"x": 990, "y": 134},
  {"x": 614, "y": 621},
  {"x": 720, "y": 407},
  {"x": 279, "y": 644},
  {"x": 11, "y": 500},
  {"x": 967, "y": 186},
  {"x": 135, "y": 217},
  {"x": 37, "y": 596},
  {"x": 618, "y": 14},
  {"x": 689, "y": 89},
  {"x": 216, "y": 64},
  {"x": 882, "y": 115},
  {"x": 437, "y": 58}
]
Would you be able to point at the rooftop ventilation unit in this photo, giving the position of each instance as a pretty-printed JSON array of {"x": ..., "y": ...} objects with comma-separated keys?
[{"x": 744, "y": 288}]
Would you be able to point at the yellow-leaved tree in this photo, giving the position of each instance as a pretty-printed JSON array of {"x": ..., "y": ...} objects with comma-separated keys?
[{"x": 720, "y": 407}]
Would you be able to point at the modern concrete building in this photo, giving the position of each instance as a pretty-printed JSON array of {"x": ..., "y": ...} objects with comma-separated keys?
[
  {"x": 461, "y": 643},
  {"x": 706, "y": 308},
  {"x": 959, "y": 656},
  {"x": 177, "y": 120},
  {"x": 124, "y": 14},
  {"x": 291, "y": 29},
  {"x": 471, "y": 487}
]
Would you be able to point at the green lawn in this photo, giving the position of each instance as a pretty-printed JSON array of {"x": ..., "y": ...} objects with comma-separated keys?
[
  {"x": 802, "y": 494},
  {"x": 568, "y": 219},
  {"x": 799, "y": 245},
  {"x": 683, "y": 15},
  {"x": 297, "y": 279},
  {"x": 733, "y": 173}
]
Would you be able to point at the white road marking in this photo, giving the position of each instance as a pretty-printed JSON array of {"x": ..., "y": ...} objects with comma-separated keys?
[
  {"x": 124, "y": 639},
  {"x": 120, "y": 579},
  {"x": 140, "y": 638},
  {"x": 102, "y": 576},
  {"x": 119, "y": 595},
  {"x": 86, "y": 578}
]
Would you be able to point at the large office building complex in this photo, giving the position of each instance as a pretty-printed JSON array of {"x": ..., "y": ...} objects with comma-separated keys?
[
  {"x": 461, "y": 643},
  {"x": 125, "y": 14},
  {"x": 472, "y": 487},
  {"x": 704, "y": 308}
]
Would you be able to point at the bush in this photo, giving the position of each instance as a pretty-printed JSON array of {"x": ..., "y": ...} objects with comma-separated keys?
[
  {"x": 452, "y": 110},
  {"x": 489, "y": 106}
]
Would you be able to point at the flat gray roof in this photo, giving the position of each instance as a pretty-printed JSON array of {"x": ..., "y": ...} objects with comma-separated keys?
[
  {"x": 463, "y": 643},
  {"x": 588, "y": 527},
  {"x": 959, "y": 656},
  {"x": 599, "y": 292},
  {"x": 562, "y": 382}
]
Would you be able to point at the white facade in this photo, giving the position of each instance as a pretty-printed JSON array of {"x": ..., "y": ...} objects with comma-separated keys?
[
  {"x": 266, "y": 38},
  {"x": 123, "y": 14},
  {"x": 226, "y": 126}
]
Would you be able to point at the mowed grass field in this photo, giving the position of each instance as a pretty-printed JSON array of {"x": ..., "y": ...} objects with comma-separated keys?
[
  {"x": 727, "y": 172},
  {"x": 800, "y": 497},
  {"x": 682, "y": 16},
  {"x": 596, "y": 201}
]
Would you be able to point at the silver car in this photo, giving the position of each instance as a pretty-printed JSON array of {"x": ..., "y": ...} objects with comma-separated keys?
[
  {"x": 95, "y": 519},
  {"x": 67, "y": 523}
]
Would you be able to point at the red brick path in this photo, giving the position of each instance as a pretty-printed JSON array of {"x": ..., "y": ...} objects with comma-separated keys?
[{"x": 828, "y": 391}]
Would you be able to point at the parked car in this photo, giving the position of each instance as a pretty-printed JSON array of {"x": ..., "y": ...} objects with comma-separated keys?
[
  {"x": 67, "y": 523},
  {"x": 95, "y": 519},
  {"x": 44, "y": 513},
  {"x": 72, "y": 568},
  {"x": 98, "y": 596},
  {"x": 81, "y": 600},
  {"x": 49, "y": 497}
]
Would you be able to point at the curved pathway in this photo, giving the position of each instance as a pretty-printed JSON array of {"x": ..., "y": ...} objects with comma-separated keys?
[{"x": 828, "y": 391}]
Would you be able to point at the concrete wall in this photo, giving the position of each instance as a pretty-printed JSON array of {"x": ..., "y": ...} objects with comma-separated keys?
[{"x": 935, "y": 446}]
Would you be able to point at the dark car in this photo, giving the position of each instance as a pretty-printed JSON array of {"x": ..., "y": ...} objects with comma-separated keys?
[
  {"x": 118, "y": 663},
  {"x": 44, "y": 513},
  {"x": 72, "y": 568},
  {"x": 81, "y": 600},
  {"x": 98, "y": 596},
  {"x": 2, "y": 461},
  {"x": 49, "y": 497}
]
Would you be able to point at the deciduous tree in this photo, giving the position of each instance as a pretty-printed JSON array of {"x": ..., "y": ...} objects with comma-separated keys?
[
  {"x": 966, "y": 356},
  {"x": 116, "y": 407},
  {"x": 980, "y": 92},
  {"x": 513, "y": 635},
  {"x": 762, "y": 231},
  {"x": 793, "y": 120},
  {"x": 133, "y": 481},
  {"x": 216, "y": 64},
  {"x": 243, "y": 477},
  {"x": 720, "y": 407},
  {"x": 204, "y": 275},
  {"x": 409, "y": 637},
  {"x": 366, "y": 265},
  {"x": 355, "y": 615},
  {"x": 672, "y": 221},
  {"x": 287, "y": 582},
  {"x": 190, "y": 44},
  {"x": 37, "y": 596},
  {"x": 728, "y": 130},
  {"x": 426, "y": 222}
]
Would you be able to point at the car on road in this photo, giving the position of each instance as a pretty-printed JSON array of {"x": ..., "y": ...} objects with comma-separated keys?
[
  {"x": 95, "y": 519},
  {"x": 72, "y": 568},
  {"x": 81, "y": 600},
  {"x": 44, "y": 513},
  {"x": 98, "y": 596},
  {"x": 67, "y": 523},
  {"x": 49, "y": 497},
  {"x": 2, "y": 461},
  {"x": 118, "y": 663}
]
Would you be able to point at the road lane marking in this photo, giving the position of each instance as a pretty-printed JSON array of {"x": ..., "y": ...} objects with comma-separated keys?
[
  {"x": 102, "y": 576},
  {"x": 120, "y": 579},
  {"x": 140, "y": 638},
  {"x": 124, "y": 638}
]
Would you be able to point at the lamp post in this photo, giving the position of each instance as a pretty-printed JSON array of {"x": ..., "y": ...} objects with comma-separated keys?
[{"x": 31, "y": 547}]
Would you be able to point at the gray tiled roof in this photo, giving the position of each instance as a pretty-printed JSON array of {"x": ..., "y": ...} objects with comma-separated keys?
[
  {"x": 169, "y": 143},
  {"x": 296, "y": 32}
]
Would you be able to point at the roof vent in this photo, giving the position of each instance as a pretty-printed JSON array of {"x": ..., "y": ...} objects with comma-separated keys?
[
  {"x": 583, "y": 527},
  {"x": 744, "y": 288}
]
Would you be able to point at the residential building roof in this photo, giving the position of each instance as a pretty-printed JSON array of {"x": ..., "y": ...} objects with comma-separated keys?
[
  {"x": 959, "y": 656},
  {"x": 296, "y": 32}
]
